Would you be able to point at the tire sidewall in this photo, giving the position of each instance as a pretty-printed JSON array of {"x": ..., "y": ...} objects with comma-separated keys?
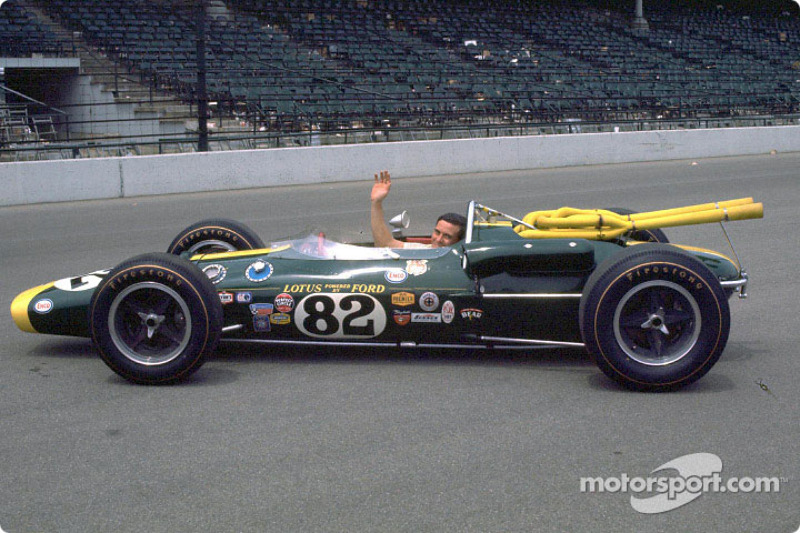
[
  {"x": 231, "y": 232},
  {"x": 191, "y": 285},
  {"x": 598, "y": 312}
]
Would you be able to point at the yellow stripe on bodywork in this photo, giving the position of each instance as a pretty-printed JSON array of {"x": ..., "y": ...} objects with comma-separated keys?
[
  {"x": 19, "y": 307},
  {"x": 238, "y": 254}
]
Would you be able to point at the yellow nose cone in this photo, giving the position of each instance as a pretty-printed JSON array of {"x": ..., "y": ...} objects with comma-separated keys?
[{"x": 19, "y": 307}]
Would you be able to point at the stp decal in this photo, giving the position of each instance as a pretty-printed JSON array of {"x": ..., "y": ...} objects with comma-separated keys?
[{"x": 340, "y": 316}]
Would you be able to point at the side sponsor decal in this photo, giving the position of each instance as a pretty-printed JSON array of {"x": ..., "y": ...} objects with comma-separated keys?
[
  {"x": 416, "y": 267},
  {"x": 403, "y": 299},
  {"x": 284, "y": 303},
  {"x": 340, "y": 316},
  {"x": 215, "y": 273},
  {"x": 43, "y": 306},
  {"x": 397, "y": 275},
  {"x": 261, "y": 323},
  {"x": 258, "y": 271},
  {"x": 428, "y": 301},
  {"x": 226, "y": 298},
  {"x": 280, "y": 319},
  {"x": 244, "y": 297},
  {"x": 401, "y": 318},
  {"x": 471, "y": 314},
  {"x": 261, "y": 309},
  {"x": 448, "y": 312},
  {"x": 426, "y": 318}
]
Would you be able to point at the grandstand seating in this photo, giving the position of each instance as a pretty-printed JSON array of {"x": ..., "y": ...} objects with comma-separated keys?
[{"x": 338, "y": 63}]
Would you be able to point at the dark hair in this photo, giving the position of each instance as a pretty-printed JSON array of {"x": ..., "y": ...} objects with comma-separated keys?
[{"x": 456, "y": 219}]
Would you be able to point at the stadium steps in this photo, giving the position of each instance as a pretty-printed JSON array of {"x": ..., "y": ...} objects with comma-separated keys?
[{"x": 112, "y": 78}]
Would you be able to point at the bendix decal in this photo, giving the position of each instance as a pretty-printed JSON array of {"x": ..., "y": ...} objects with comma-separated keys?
[{"x": 426, "y": 318}]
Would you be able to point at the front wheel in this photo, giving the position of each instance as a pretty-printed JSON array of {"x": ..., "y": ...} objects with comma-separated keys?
[
  {"x": 654, "y": 318},
  {"x": 155, "y": 318}
]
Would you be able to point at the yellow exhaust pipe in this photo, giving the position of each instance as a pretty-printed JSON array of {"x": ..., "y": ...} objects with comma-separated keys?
[{"x": 599, "y": 224}]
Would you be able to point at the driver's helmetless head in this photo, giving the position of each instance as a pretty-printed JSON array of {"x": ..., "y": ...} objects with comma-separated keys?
[{"x": 449, "y": 229}]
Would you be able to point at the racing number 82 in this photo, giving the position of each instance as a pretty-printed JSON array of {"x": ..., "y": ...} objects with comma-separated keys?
[{"x": 340, "y": 315}]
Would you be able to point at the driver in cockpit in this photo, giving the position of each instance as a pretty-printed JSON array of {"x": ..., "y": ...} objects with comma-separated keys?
[{"x": 449, "y": 229}]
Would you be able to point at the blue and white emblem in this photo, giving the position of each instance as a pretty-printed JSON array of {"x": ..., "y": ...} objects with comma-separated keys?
[
  {"x": 396, "y": 275},
  {"x": 258, "y": 271}
]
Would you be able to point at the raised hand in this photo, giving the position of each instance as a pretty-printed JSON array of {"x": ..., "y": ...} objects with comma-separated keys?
[{"x": 383, "y": 182}]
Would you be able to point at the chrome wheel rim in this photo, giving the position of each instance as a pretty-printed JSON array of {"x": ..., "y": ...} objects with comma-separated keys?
[
  {"x": 211, "y": 246},
  {"x": 657, "y": 323},
  {"x": 149, "y": 323}
]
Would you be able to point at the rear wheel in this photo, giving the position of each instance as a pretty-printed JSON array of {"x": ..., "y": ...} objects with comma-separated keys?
[
  {"x": 643, "y": 235},
  {"x": 654, "y": 318},
  {"x": 155, "y": 318},
  {"x": 215, "y": 235}
]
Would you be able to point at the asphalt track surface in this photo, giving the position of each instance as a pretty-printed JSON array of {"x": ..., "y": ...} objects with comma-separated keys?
[{"x": 370, "y": 440}]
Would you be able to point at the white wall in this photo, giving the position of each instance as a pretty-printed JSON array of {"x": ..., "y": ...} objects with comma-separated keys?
[{"x": 54, "y": 181}]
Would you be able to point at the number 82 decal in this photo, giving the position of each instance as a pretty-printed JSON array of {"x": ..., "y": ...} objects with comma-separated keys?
[{"x": 340, "y": 316}]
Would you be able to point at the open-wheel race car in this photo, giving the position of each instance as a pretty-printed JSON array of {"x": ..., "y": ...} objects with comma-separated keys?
[{"x": 653, "y": 315}]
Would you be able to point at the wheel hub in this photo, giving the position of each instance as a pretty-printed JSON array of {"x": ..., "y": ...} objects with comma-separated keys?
[
  {"x": 656, "y": 322},
  {"x": 151, "y": 321}
]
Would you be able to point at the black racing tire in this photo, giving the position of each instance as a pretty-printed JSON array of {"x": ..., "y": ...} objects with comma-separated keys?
[
  {"x": 215, "y": 235},
  {"x": 654, "y": 318},
  {"x": 643, "y": 235},
  {"x": 155, "y": 318}
]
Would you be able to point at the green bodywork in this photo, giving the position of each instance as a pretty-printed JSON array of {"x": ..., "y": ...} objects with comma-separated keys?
[{"x": 314, "y": 290}]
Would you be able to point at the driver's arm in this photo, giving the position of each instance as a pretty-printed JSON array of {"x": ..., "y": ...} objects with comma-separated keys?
[{"x": 380, "y": 231}]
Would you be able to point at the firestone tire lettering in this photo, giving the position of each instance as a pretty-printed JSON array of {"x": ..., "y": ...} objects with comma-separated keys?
[
  {"x": 155, "y": 318},
  {"x": 654, "y": 318}
]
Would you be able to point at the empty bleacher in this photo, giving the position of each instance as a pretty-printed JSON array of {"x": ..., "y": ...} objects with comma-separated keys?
[{"x": 328, "y": 65}]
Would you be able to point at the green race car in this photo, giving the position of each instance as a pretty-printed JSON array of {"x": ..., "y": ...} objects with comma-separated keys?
[{"x": 653, "y": 315}]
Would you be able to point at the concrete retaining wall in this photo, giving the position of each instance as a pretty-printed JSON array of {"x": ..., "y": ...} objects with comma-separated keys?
[{"x": 55, "y": 181}]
